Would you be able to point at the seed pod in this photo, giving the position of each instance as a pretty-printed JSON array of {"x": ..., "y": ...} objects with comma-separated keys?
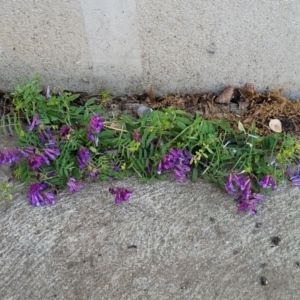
[
  {"x": 225, "y": 96},
  {"x": 275, "y": 125}
]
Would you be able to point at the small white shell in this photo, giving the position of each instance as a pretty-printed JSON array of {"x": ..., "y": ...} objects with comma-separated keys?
[{"x": 275, "y": 125}]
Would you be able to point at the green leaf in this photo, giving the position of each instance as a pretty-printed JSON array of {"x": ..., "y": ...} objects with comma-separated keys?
[
  {"x": 71, "y": 97},
  {"x": 241, "y": 127},
  {"x": 152, "y": 136},
  {"x": 89, "y": 102},
  {"x": 53, "y": 118},
  {"x": 93, "y": 149},
  {"x": 79, "y": 110},
  {"x": 195, "y": 174},
  {"x": 181, "y": 125},
  {"x": 184, "y": 120}
]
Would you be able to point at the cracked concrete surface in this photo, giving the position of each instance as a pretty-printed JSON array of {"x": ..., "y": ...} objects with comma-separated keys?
[{"x": 170, "y": 241}]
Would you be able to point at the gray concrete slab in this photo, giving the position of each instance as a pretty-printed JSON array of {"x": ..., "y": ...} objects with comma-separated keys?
[
  {"x": 177, "y": 46},
  {"x": 170, "y": 241}
]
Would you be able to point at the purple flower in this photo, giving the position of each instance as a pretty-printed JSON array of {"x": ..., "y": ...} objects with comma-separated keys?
[
  {"x": 179, "y": 160},
  {"x": 122, "y": 194},
  {"x": 27, "y": 151},
  {"x": 34, "y": 122},
  {"x": 94, "y": 127},
  {"x": 51, "y": 143},
  {"x": 8, "y": 156},
  {"x": 167, "y": 162},
  {"x": 45, "y": 135},
  {"x": 39, "y": 198},
  {"x": 229, "y": 185},
  {"x": 159, "y": 167},
  {"x": 136, "y": 136},
  {"x": 37, "y": 160},
  {"x": 180, "y": 176},
  {"x": 35, "y": 198},
  {"x": 51, "y": 153},
  {"x": 295, "y": 178},
  {"x": 241, "y": 181},
  {"x": 247, "y": 199},
  {"x": 180, "y": 171},
  {"x": 246, "y": 193},
  {"x": 65, "y": 131},
  {"x": 48, "y": 94},
  {"x": 51, "y": 197},
  {"x": 116, "y": 168},
  {"x": 96, "y": 123},
  {"x": 250, "y": 203},
  {"x": 73, "y": 186},
  {"x": 51, "y": 174},
  {"x": 83, "y": 157},
  {"x": 288, "y": 172},
  {"x": 268, "y": 181},
  {"x": 149, "y": 168}
]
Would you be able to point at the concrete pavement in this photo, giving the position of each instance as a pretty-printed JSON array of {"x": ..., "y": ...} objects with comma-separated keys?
[
  {"x": 125, "y": 46},
  {"x": 170, "y": 241}
]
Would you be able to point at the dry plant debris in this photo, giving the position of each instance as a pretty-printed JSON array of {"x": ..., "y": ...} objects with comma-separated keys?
[{"x": 233, "y": 104}]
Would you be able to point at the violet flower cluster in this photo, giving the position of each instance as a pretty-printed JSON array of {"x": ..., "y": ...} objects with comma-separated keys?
[
  {"x": 94, "y": 127},
  {"x": 73, "y": 186},
  {"x": 295, "y": 177},
  {"x": 40, "y": 191},
  {"x": 35, "y": 123},
  {"x": 65, "y": 132},
  {"x": 84, "y": 160},
  {"x": 122, "y": 194},
  {"x": 247, "y": 199},
  {"x": 39, "y": 195},
  {"x": 9, "y": 157},
  {"x": 83, "y": 157},
  {"x": 179, "y": 160},
  {"x": 37, "y": 159}
]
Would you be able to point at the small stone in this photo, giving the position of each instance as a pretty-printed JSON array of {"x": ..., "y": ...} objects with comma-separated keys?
[
  {"x": 263, "y": 280},
  {"x": 276, "y": 240},
  {"x": 143, "y": 109},
  {"x": 258, "y": 224}
]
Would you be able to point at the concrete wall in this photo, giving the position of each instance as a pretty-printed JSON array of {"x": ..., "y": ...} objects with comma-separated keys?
[{"x": 175, "y": 45}]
